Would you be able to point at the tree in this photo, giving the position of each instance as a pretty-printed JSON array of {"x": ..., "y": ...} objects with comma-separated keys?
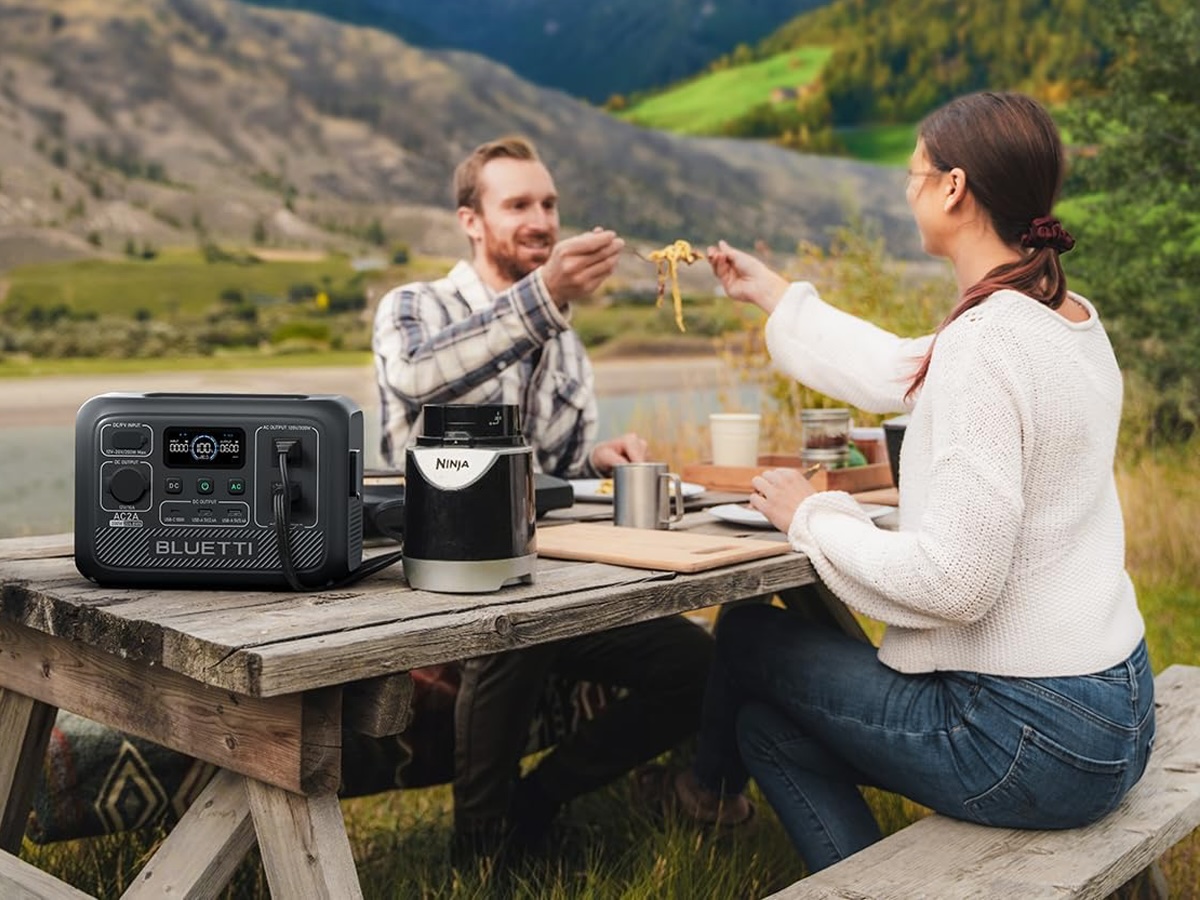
[{"x": 1139, "y": 226}]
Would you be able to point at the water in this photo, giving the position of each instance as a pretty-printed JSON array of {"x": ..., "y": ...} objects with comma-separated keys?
[{"x": 37, "y": 473}]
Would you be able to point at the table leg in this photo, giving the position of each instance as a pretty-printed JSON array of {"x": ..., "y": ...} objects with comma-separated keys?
[
  {"x": 25, "y": 727},
  {"x": 303, "y": 843},
  {"x": 204, "y": 848}
]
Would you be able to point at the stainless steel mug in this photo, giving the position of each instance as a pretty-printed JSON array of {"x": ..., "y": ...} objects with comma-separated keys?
[{"x": 643, "y": 493}]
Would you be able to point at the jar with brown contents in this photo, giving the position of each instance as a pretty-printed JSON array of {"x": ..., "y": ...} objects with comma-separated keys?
[{"x": 825, "y": 436}]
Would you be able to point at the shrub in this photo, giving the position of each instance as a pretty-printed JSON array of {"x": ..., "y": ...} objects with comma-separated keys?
[{"x": 301, "y": 329}]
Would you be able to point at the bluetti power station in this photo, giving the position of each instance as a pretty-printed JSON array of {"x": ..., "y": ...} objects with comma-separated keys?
[{"x": 219, "y": 490}]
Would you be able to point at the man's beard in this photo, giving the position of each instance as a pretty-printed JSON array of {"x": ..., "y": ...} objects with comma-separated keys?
[{"x": 507, "y": 259}]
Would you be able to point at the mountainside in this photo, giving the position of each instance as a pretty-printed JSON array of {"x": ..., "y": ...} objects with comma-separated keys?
[
  {"x": 588, "y": 49},
  {"x": 166, "y": 121}
]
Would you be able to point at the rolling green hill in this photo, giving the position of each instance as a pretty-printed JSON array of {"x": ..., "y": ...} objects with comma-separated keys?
[{"x": 705, "y": 104}]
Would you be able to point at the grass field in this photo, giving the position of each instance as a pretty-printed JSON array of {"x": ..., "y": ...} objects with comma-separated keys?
[
  {"x": 177, "y": 282},
  {"x": 703, "y": 105},
  {"x": 889, "y": 145},
  {"x": 179, "y": 295}
]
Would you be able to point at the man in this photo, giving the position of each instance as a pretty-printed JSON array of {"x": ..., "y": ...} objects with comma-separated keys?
[{"x": 497, "y": 330}]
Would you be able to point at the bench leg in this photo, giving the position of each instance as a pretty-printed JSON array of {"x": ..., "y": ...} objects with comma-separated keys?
[
  {"x": 25, "y": 727},
  {"x": 1148, "y": 884},
  {"x": 204, "y": 848},
  {"x": 303, "y": 843}
]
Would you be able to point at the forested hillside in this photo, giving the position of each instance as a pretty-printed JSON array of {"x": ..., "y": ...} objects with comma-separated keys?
[
  {"x": 895, "y": 61},
  {"x": 892, "y": 62}
]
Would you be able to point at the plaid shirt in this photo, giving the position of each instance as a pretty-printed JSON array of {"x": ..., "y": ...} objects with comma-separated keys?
[{"x": 456, "y": 341}]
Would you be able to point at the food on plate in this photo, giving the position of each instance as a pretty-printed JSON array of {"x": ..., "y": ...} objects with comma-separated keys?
[
  {"x": 666, "y": 262},
  {"x": 605, "y": 487}
]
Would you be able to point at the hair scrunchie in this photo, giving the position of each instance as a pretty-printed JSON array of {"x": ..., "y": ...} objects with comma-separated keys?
[{"x": 1047, "y": 231}]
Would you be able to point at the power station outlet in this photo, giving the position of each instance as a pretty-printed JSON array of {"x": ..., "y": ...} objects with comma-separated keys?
[{"x": 300, "y": 444}]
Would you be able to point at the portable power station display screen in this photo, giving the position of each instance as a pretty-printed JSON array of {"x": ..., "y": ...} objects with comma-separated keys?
[{"x": 209, "y": 448}]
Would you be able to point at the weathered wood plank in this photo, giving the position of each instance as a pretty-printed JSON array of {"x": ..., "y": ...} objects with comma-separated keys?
[
  {"x": 38, "y": 546},
  {"x": 321, "y": 741},
  {"x": 303, "y": 843},
  {"x": 361, "y": 653},
  {"x": 261, "y": 738},
  {"x": 222, "y": 638},
  {"x": 132, "y": 621},
  {"x": 941, "y": 857},
  {"x": 25, "y": 726},
  {"x": 204, "y": 848},
  {"x": 21, "y": 881},
  {"x": 378, "y": 707}
]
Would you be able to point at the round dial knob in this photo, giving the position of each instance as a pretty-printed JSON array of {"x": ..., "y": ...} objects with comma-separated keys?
[{"x": 128, "y": 484}]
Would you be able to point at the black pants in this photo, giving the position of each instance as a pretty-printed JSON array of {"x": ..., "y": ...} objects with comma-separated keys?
[{"x": 664, "y": 665}]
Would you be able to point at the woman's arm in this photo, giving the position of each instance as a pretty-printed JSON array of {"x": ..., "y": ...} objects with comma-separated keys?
[
  {"x": 839, "y": 354},
  {"x": 954, "y": 565}
]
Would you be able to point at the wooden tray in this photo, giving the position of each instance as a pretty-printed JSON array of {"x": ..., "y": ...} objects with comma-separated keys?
[
  {"x": 646, "y": 548},
  {"x": 738, "y": 478}
]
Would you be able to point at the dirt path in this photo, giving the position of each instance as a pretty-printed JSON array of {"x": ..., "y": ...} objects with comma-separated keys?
[{"x": 54, "y": 400}]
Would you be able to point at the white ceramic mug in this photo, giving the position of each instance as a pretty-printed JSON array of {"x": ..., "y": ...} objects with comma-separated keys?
[{"x": 643, "y": 493}]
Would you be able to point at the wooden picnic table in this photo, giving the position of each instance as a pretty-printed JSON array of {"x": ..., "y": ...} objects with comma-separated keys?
[{"x": 261, "y": 683}]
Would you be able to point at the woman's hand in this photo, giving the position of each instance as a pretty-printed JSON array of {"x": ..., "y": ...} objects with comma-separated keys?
[
  {"x": 747, "y": 278},
  {"x": 778, "y": 493}
]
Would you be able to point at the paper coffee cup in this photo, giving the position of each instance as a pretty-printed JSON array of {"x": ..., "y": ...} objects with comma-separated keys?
[{"x": 734, "y": 438}]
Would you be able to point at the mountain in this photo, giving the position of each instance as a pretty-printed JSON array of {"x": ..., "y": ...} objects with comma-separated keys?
[
  {"x": 589, "y": 49},
  {"x": 164, "y": 121}
]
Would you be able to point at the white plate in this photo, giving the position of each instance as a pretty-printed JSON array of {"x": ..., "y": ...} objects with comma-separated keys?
[
  {"x": 589, "y": 489},
  {"x": 875, "y": 510},
  {"x": 744, "y": 515},
  {"x": 737, "y": 514}
]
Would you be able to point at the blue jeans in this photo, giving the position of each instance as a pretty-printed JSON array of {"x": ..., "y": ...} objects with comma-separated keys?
[{"x": 811, "y": 713}]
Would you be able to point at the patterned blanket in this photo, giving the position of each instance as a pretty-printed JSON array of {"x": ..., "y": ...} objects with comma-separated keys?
[{"x": 98, "y": 781}]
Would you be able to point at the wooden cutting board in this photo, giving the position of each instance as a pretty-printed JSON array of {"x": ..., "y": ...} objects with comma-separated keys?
[{"x": 644, "y": 548}]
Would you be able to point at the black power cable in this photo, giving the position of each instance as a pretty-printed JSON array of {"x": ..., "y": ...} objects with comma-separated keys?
[{"x": 282, "y": 505}]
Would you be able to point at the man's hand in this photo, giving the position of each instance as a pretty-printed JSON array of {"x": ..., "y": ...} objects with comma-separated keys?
[
  {"x": 578, "y": 265},
  {"x": 627, "y": 448},
  {"x": 747, "y": 278},
  {"x": 778, "y": 493}
]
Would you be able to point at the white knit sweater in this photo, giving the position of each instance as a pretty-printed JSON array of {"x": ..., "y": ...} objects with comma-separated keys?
[{"x": 1010, "y": 558}]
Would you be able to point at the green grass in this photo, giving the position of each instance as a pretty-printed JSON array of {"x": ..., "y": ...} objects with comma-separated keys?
[
  {"x": 705, "y": 104},
  {"x": 889, "y": 145},
  {"x": 177, "y": 282}
]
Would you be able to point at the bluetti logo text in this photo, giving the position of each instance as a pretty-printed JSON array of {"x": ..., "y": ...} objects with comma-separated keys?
[
  {"x": 222, "y": 549},
  {"x": 455, "y": 464}
]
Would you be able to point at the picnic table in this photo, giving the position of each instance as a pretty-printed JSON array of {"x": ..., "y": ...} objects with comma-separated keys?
[{"x": 261, "y": 684}]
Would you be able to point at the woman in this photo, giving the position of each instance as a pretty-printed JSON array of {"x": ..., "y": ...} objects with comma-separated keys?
[{"x": 1012, "y": 686}]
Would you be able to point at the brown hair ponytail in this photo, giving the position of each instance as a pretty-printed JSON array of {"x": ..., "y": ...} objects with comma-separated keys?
[{"x": 1010, "y": 148}]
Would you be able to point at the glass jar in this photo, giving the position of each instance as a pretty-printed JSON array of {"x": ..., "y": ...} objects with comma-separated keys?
[{"x": 825, "y": 436}]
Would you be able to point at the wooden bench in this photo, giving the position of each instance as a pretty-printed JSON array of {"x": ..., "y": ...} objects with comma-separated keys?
[{"x": 938, "y": 857}]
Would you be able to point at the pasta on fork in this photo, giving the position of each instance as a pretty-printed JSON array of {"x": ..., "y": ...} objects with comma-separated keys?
[{"x": 666, "y": 262}]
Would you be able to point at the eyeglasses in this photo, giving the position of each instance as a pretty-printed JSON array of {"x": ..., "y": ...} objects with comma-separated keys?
[{"x": 923, "y": 173}]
